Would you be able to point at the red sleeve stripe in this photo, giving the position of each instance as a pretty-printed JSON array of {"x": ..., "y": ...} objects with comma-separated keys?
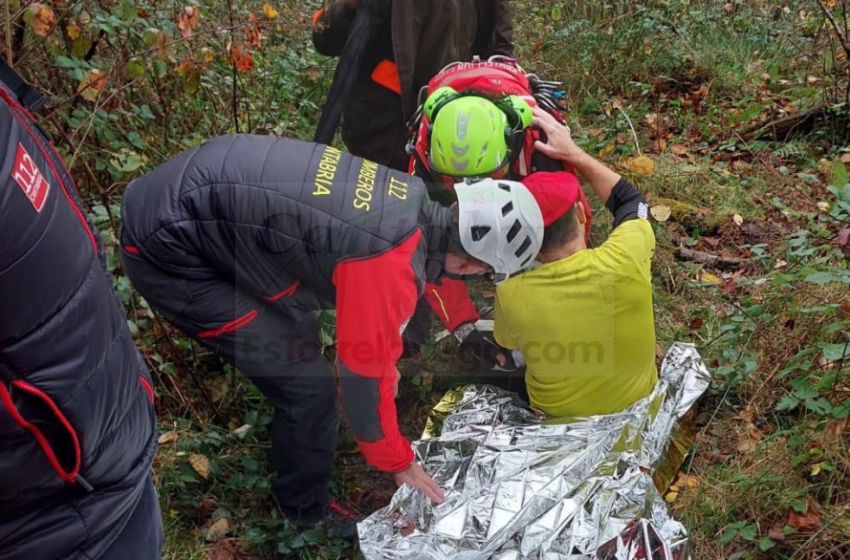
[
  {"x": 285, "y": 293},
  {"x": 132, "y": 250},
  {"x": 147, "y": 387},
  {"x": 234, "y": 325}
]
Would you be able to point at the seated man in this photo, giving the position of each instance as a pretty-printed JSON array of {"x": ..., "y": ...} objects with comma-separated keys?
[{"x": 583, "y": 320}]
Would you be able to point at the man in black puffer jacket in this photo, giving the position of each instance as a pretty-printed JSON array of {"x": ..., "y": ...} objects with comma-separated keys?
[
  {"x": 238, "y": 243},
  {"x": 77, "y": 423}
]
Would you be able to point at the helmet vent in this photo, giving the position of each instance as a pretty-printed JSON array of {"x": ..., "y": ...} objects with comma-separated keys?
[
  {"x": 525, "y": 262},
  {"x": 514, "y": 231},
  {"x": 523, "y": 248},
  {"x": 507, "y": 209},
  {"x": 504, "y": 187},
  {"x": 478, "y": 232}
]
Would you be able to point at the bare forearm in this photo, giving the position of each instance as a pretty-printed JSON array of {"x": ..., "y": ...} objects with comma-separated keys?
[{"x": 600, "y": 177}]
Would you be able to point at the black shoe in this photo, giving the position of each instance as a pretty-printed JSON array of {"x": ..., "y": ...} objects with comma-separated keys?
[{"x": 341, "y": 520}]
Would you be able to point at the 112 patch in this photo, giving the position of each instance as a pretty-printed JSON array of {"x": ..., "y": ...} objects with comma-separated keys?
[{"x": 28, "y": 176}]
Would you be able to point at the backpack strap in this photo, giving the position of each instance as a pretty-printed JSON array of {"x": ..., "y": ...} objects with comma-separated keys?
[{"x": 27, "y": 95}]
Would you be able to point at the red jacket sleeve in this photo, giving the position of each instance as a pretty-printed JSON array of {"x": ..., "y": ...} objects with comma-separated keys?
[
  {"x": 375, "y": 299},
  {"x": 451, "y": 303}
]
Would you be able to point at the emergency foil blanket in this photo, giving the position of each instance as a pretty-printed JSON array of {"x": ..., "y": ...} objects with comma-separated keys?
[{"x": 519, "y": 486}]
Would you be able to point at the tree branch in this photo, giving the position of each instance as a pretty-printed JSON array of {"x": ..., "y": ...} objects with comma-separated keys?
[{"x": 842, "y": 36}]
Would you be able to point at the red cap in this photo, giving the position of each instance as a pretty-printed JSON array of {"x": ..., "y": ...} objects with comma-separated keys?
[{"x": 556, "y": 193}]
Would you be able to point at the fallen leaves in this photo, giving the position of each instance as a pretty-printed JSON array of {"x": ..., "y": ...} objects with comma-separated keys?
[
  {"x": 90, "y": 86},
  {"x": 41, "y": 19},
  {"x": 843, "y": 237},
  {"x": 187, "y": 20},
  {"x": 200, "y": 464},
  {"x": 696, "y": 324},
  {"x": 269, "y": 11},
  {"x": 253, "y": 31},
  {"x": 606, "y": 151},
  {"x": 808, "y": 521},
  {"x": 660, "y": 212},
  {"x": 241, "y": 58},
  {"x": 168, "y": 438},
  {"x": 749, "y": 440},
  {"x": 218, "y": 530},
  {"x": 708, "y": 277},
  {"x": 642, "y": 165},
  {"x": 683, "y": 483},
  {"x": 738, "y": 219}
]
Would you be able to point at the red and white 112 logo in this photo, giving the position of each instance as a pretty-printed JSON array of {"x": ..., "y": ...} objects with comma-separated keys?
[{"x": 30, "y": 179}]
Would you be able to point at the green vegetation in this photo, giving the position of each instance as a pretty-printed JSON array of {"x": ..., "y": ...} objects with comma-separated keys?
[{"x": 740, "y": 112}]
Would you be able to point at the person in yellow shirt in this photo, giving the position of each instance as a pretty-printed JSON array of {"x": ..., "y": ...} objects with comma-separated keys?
[{"x": 582, "y": 321}]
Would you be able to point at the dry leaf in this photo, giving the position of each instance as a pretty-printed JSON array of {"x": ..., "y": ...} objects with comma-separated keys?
[
  {"x": 242, "y": 59},
  {"x": 679, "y": 149},
  {"x": 642, "y": 165},
  {"x": 73, "y": 31},
  {"x": 843, "y": 237},
  {"x": 253, "y": 32},
  {"x": 696, "y": 324},
  {"x": 738, "y": 219},
  {"x": 671, "y": 497},
  {"x": 776, "y": 534},
  {"x": 606, "y": 151},
  {"x": 844, "y": 158},
  {"x": 187, "y": 20},
  {"x": 708, "y": 277},
  {"x": 698, "y": 95},
  {"x": 91, "y": 85},
  {"x": 809, "y": 522},
  {"x": 313, "y": 73},
  {"x": 748, "y": 442},
  {"x": 269, "y": 11},
  {"x": 242, "y": 431},
  {"x": 660, "y": 212},
  {"x": 168, "y": 438},
  {"x": 200, "y": 464},
  {"x": 218, "y": 530},
  {"x": 43, "y": 19},
  {"x": 823, "y": 206}
]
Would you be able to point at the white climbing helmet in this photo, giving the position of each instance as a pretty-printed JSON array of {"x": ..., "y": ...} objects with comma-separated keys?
[{"x": 500, "y": 224}]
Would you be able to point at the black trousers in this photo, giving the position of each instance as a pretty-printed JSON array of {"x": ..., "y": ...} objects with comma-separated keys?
[
  {"x": 276, "y": 345},
  {"x": 142, "y": 537}
]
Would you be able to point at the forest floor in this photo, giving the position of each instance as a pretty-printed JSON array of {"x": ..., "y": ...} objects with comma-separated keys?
[
  {"x": 732, "y": 117},
  {"x": 767, "y": 477}
]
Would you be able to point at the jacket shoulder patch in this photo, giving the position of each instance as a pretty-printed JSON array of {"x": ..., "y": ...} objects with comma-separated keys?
[{"x": 28, "y": 176}]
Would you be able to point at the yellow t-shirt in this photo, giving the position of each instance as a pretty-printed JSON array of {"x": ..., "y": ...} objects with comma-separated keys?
[{"x": 585, "y": 326}]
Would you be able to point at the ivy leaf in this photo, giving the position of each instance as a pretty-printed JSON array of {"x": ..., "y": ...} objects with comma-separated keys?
[
  {"x": 134, "y": 69},
  {"x": 787, "y": 402},
  {"x": 819, "y": 406},
  {"x": 766, "y": 543},
  {"x": 820, "y": 278},
  {"x": 749, "y": 532}
]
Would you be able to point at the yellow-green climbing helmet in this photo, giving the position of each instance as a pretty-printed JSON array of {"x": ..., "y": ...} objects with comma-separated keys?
[{"x": 469, "y": 135}]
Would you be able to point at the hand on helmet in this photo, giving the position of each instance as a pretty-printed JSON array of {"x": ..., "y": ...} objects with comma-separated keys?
[{"x": 559, "y": 141}]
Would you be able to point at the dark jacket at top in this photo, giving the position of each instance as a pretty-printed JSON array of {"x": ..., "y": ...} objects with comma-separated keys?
[
  {"x": 77, "y": 425},
  {"x": 269, "y": 214},
  {"x": 420, "y": 37}
]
